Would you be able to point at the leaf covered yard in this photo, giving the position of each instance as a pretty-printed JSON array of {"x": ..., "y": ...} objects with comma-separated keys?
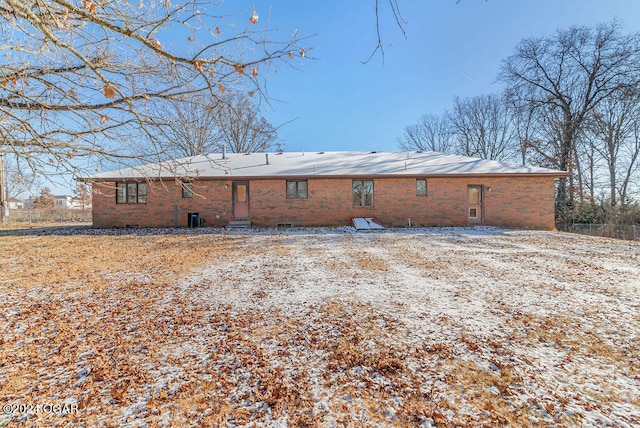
[{"x": 320, "y": 327}]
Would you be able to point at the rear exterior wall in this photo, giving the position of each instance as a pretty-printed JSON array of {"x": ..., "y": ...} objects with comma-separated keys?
[{"x": 514, "y": 202}]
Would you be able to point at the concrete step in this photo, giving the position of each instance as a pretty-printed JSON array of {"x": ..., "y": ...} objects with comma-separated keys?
[{"x": 239, "y": 224}]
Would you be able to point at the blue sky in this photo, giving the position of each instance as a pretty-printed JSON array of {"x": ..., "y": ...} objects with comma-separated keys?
[
  {"x": 451, "y": 49},
  {"x": 335, "y": 102}
]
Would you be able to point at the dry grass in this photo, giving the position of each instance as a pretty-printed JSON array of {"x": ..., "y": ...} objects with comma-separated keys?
[
  {"x": 136, "y": 329},
  {"x": 365, "y": 260},
  {"x": 414, "y": 258},
  {"x": 89, "y": 260}
]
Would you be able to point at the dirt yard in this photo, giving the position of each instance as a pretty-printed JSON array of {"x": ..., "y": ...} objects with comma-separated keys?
[{"x": 318, "y": 327}]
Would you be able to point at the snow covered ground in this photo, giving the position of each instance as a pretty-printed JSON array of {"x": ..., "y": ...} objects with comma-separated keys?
[{"x": 327, "y": 327}]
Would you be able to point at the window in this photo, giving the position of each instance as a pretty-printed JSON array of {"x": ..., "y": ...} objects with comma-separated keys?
[
  {"x": 187, "y": 190},
  {"x": 241, "y": 193},
  {"x": 475, "y": 195},
  {"x": 121, "y": 193},
  {"x": 362, "y": 193},
  {"x": 297, "y": 189},
  {"x": 421, "y": 187},
  {"x": 131, "y": 193}
]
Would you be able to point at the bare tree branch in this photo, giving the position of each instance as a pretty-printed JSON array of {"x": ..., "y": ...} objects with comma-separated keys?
[
  {"x": 400, "y": 22},
  {"x": 80, "y": 80}
]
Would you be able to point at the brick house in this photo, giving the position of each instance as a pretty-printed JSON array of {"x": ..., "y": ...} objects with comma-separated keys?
[{"x": 326, "y": 189}]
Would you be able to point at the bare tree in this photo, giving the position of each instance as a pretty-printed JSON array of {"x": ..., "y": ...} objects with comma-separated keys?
[
  {"x": 613, "y": 133},
  {"x": 203, "y": 125},
  {"x": 190, "y": 127},
  {"x": 526, "y": 128},
  {"x": 588, "y": 169},
  {"x": 241, "y": 127},
  {"x": 483, "y": 127},
  {"x": 77, "y": 77},
  {"x": 431, "y": 133},
  {"x": 543, "y": 145},
  {"x": 17, "y": 180},
  {"x": 633, "y": 166},
  {"x": 569, "y": 74}
]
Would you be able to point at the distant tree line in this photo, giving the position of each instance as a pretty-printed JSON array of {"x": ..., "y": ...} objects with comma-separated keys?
[{"x": 571, "y": 102}]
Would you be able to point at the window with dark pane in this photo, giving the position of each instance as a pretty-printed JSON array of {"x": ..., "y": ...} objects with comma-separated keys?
[
  {"x": 362, "y": 193},
  {"x": 142, "y": 193},
  {"x": 297, "y": 189},
  {"x": 302, "y": 190},
  {"x": 187, "y": 190},
  {"x": 367, "y": 190},
  {"x": 421, "y": 187},
  {"x": 131, "y": 193},
  {"x": 121, "y": 193},
  {"x": 357, "y": 193}
]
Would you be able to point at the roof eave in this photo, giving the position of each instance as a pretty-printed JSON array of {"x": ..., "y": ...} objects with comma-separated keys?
[{"x": 555, "y": 174}]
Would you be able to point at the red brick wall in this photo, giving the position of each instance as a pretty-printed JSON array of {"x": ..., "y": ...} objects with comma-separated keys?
[
  {"x": 210, "y": 199},
  {"x": 518, "y": 202}
]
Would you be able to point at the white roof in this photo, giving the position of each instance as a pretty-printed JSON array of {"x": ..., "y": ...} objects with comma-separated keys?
[{"x": 324, "y": 164}]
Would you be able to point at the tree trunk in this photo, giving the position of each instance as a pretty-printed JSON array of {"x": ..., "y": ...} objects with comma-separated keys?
[
  {"x": 565, "y": 193},
  {"x": 612, "y": 181},
  {"x": 580, "y": 175}
]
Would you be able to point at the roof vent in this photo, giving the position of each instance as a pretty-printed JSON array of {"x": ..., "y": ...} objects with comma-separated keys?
[
  {"x": 373, "y": 152},
  {"x": 266, "y": 155},
  {"x": 320, "y": 153}
]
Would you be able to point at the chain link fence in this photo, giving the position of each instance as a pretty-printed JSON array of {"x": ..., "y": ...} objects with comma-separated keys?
[
  {"x": 49, "y": 216},
  {"x": 618, "y": 231}
]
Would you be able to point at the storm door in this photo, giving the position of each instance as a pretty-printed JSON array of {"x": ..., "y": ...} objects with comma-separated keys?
[
  {"x": 240, "y": 199},
  {"x": 476, "y": 203}
]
